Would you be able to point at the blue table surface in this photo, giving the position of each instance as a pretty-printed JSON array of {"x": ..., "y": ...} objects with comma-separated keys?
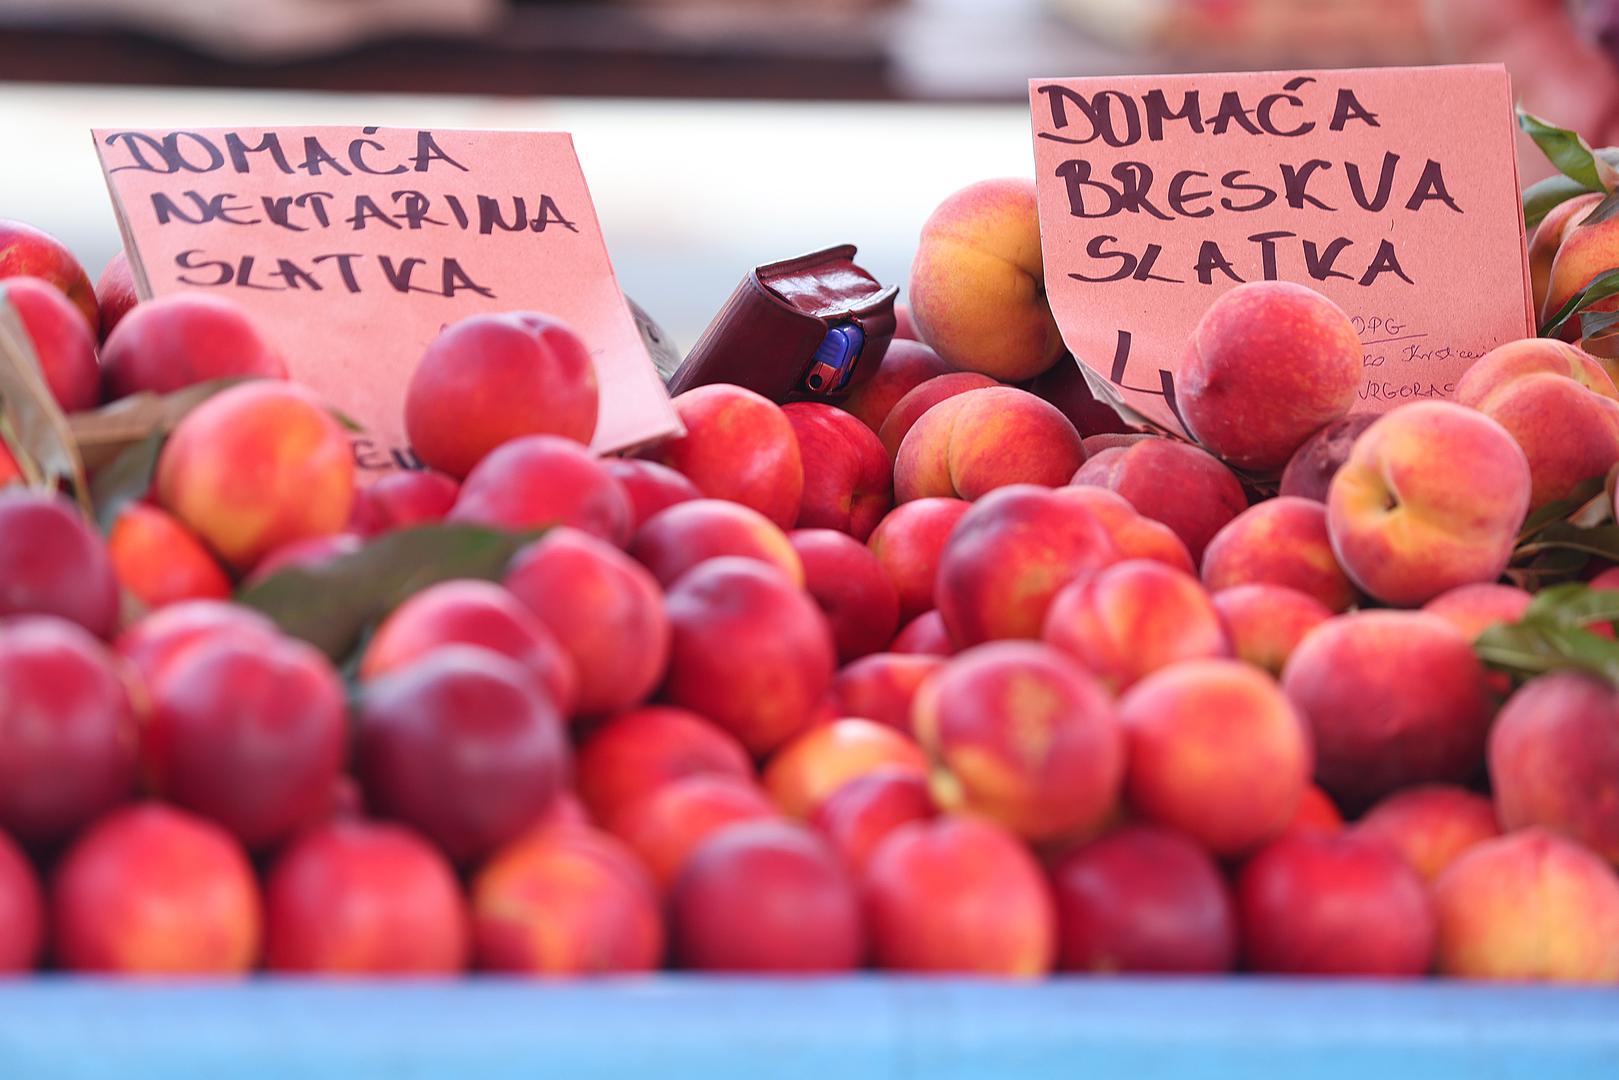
[{"x": 835, "y": 1029}]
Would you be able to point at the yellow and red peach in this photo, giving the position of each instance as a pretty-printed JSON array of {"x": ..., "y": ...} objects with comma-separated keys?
[
  {"x": 539, "y": 481},
  {"x": 1586, "y": 251},
  {"x": 665, "y": 826},
  {"x": 910, "y": 408},
  {"x": 1170, "y": 482},
  {"x": 636, "y": 753},
  {"x": 849, "y": 482},
  {"x": 977, "y": 287},
  {"x": 177, "y": 341},
  {"x": 908, "y": 543},
  {"x": 1431, "y": 497},
  {"x": 881, "y": 687},
  {"x": 29, "y": 252},
  {"x": 115, "y": 293},
  {"x": 1281, "y": 541},
  {"x": 687, "y": 534},
  {"x": 1392, "y": 698},
  {"x": 1267, "y": 622},
  {"x": 738, "y": 446},
  {"x": 651, "y": 487},
  {"x": 1548, "y": 237},
  {"x": 1268, "y": 364},
  {"x": 1215, "y": 750},
  {"x": 1529, "y": 905},
  {"x": 802, "y": 774},
  {"x": 906, "y": 365},
  {"x": 983, "y": 440},
  {"x": 1136, "y": 536},
  {"x": 22, "y": 911},
  {"x": 1133, "y": 618},
  {"x": 1023, "y": 736},
  {"x": 159, "y": 561},
  {"x": 53, "y": 563},
  {"x": 64, "y": 347},
  {"x": 851, "y": 588},
  {"x": 402, "y": 500},
  {"x": 1431, "y": 825},
  {"x": 860, "y": 813},
  {"x": 1310, "y": 470}
]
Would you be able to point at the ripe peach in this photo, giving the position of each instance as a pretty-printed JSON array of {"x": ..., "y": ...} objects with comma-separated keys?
[
  {"x": 29, "y": 252},
  {"x": 959, "y": 894},
  {"x": 848, "y": 481},
  {"x": 1473, "y": 609},
  {"x": 860, "y": 813},
  {"x": 543, "y": 480},
  {"x": 1310, "y": 470},
  {"x": 1282, "y": 541},
  {"x": 603, "y": 609},
  {"x": 152, "y": 890},
  {"x": 480, "y": 613},
  {"x": 1393, "y": 698},
  {"x": 53, "y": 563},
  {"x": 566, "y": 901},
  {"x": 1430, "y": 825},
  {"x": 651, "y": 487},
  {"x": 921, "y": 399},
  {"x": 1170, "y": 482},
  {"x": 851, "y": 589},
  {"x": 67, "y": 730},
  {"x": 1143, "y": 899},
  {"x": 749, "y": 650},
  {"x": 1136, "y": 536},
  {"x": 881, "y": 687},
  {"x": 154, "y": 641},
  {"x": 1025, "y": 737},
  {"x": 802, "y": 774},
  {"x": 464, "y": 746},
  {"x": 1586, "y": 251},
  {"x": 983, "y": 440},
  {"x": 977, "y": 288},
  {"x": 22, "y": 911},
  {"x": 177, "y": 341},
  {"x": 1554, "y": 759},
  {"x": 635, "y": 753},
  {"x": 247, "y": 733},
  {"x": 1267, "y": 622},
  {"x": 115, "y": 293},
  {"x": 738, "y": 446},
  {"x": 906, "y": 365},
  {"x": 908, "y": 543},
  {"x": 1133, "y": 618},
  {"x": 1269, "y": 363},
  {"x": 159, "y": 561},
  {"x": 1064, "y": 386},
  {"x": 1215, "y": 750},
  {"x": 1548, "y": 237},
  {"x": 690, "y": 533},
  {"x": 63, "y": 346},
  {"x": 766, "y": 896},
  {"x": 298, "y": 456},
  {"x": 364, "y": 898},
  {"x": 1316, "y": 813},
  {"x": 1529, "y": 905},
  {"x": 1339, "y": 904},
  {"x": 1432, "y": 497},
  {"x": 1009, "y": 556},
  {"x": 925, "y": 635},
  {"x": 400, "y": 500},
  {"x": 666, "y": 825}
]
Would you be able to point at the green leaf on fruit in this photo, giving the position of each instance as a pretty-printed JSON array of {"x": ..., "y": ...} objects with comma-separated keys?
[
  {"x": 1553, "y": 635},
  {"x": 331, "y": 604},
  {"x": 1599, "y": 288},
  {"x": 125, "y": 479},
  {"x": 1570, "y": 153},
  {"x": 1597, "y": 325},
  {"x": 1575, "y": 506},
  {"x": 1542, "y": 197}
]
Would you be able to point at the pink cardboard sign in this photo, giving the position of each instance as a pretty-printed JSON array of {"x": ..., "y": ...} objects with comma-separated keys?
[
  {"x": 354, "y": 247},
  {"x": 1393, "y": 191}
]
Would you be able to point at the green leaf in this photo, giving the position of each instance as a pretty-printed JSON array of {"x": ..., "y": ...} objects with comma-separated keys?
[
  {"x": 1541, "y": 198},
  {"x": 1599, "y": 288},
  {"x": 1570, "y": 153},
  {"x": 1560, "y": 509},
  {"x": 1574, "y": 605},
  {"x": 331, "y": 604},
  {"x": 105, "y": 433},
  {"x": 1602, "y": 541},
  {"x": 1532, "y": 647},
  {"x": 1596, "y": 325},
  {"x": 125, "y": 479},
  {"x": 36, "y": 431}
]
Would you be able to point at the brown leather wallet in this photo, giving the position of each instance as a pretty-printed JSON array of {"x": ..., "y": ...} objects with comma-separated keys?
[{"x": 767, "y": 335}]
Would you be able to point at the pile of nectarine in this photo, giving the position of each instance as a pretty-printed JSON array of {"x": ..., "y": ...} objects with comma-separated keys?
[{"x": 957, "y": 675}]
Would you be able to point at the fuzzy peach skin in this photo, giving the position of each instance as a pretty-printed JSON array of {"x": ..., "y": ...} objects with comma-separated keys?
[
  {"x": 858, "y": 814},
  {"x": 1171, "y": 482},
  {"x": 983, "y": 440},
  {"x": 635, "y": 753},
  {"x": 1064, "y": 386},
  {"x": 566, "y": 901},
  {"x": 177, "y": 341},
  {"x": 1310, "y": 470},
  {"x": 669, "y": 823},
  {"x": 848, "y": 478},
  {"x": 1268, "y": 364},
  {"x": 738, "y": 446},
  {"x": 910, "y": 408},
  {"x": 1281, "y": 541},
  {"x": 1548, "y": 237},
  {"x": 1554, "y": 758},
  {"x": 1432, "y": 497},
  {"x": 1529, "y": 905},
  {"x": 881, "y": 687},
  {"x": 1588, "y": 249},
  {"x": 1431, "y": 825},
  {"x": 1392, "y": 698},
  {"x": 802, "y": 774},
  {"x": 159, "y": 561},
  {"x": 28, "y": 252},
  {"x": 1134, "y": 618},
  {"x": 538, "y": 481},
  {"x": 1558, "y": 404},
  {"x": 851, "y": 588},
  {"x": 1136, "y": 536},
  {"x": 1473, "y": 609},
  {"x": 906, "y": 365},
  {"x": 1009, "y": 556},
  {"x": 64, "y": 348},
  {"x": 977, "y": 287},
  {"x": 908, "y": 543},
  {"x": 257, "y": 466},
  {"x": 115, "y": 292},
  {"x": 1216, "y": 750},
  {"x": 1022, "y": 735},
  {"x": 688, "y": 534},
  {"x": 1267, "y": 622}
]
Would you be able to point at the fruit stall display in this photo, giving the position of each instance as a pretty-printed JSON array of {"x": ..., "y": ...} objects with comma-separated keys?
[{"x": 960, "y": 676}]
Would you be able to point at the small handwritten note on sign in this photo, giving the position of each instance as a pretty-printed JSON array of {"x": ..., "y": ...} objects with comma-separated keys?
[
  {"x": 354, "y": 247},
  {"x": 1392, "y": 191}
]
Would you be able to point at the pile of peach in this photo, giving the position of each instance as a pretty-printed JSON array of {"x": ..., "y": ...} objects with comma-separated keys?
[{"x": 952, "y": 678}]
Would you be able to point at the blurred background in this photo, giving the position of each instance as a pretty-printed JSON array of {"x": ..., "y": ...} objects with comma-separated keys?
[{"x": 716, "y": 134}]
